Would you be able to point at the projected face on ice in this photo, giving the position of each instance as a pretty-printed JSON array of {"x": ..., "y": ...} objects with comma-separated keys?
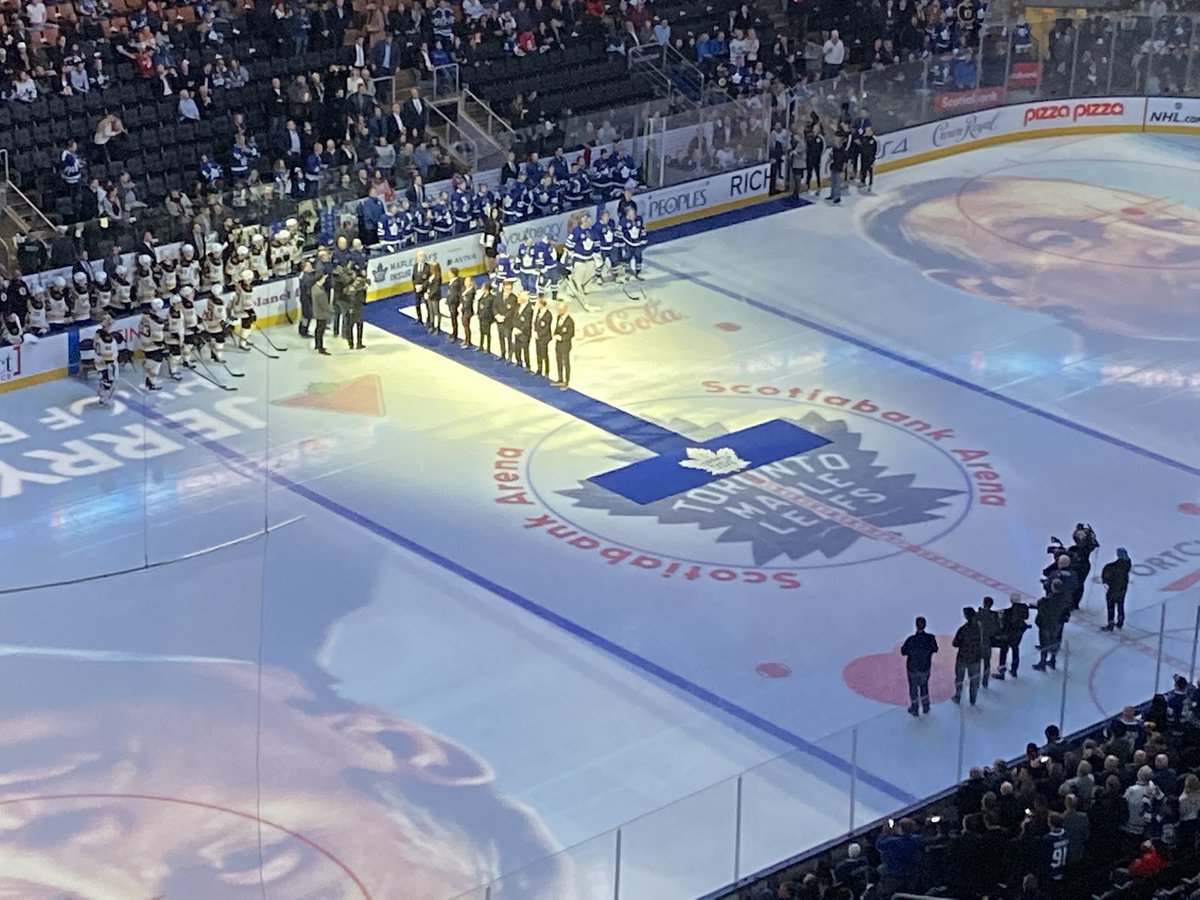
[
  {"x": 142, "y": 756},
  {"x": 150, "y": 791},
  {"x": 1102, "y": 259}
]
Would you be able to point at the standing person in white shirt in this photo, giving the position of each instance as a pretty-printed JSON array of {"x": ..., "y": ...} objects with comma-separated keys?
[
  {"x": 35, "y": 12},
  {"x": 833, "y": 54}
]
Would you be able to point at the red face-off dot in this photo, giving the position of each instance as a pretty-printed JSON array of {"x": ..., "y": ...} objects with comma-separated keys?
[
  {"x": 1133, "y": 211},
  {"x": 728, "y": 326},
  {"x": 1191, "y": 509},
  {"x": 772, "y": 670}
]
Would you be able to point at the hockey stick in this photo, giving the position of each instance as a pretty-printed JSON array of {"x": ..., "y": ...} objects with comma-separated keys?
[
  {"x": 230, "y": 371},
  {"x": 253, "y": 346},
  {"x": 272, "y": 345},
  {"x": 209, "y": 377},
  {"x": 639, "y": 296}
]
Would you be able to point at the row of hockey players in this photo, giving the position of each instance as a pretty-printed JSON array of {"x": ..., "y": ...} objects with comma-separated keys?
[
  {"x": 593, "y": 252},
  {"x": 84, "y": 300},
  {"x": 407, "y": 224},
  {"x": 178, "y": 334}
]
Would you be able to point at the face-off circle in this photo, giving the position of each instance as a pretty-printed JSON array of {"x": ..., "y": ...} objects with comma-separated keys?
[{"x": 878, "y": 474}]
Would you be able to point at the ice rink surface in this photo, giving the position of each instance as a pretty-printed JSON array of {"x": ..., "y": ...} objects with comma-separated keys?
[{"x": 452, "y": 654}]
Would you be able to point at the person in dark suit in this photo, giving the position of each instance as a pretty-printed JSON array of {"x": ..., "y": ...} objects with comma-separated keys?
[
  {"x": 543, "y": 325},
  {"x": 468, "y": 309},
  {"x": 522, "y": 331},
  {"x": 505, "y": 310},
  {"x": 433, "y": 296},
  {"x": 420, "y": 275},
  {"x": 385, "y": 57},
  {"x": 396, "y": 129},
  {"x": 564, "y": 335},
  {"x": 485, "y": 308},
  {"x": 416, "y": 191},
  {"x": 454, "y": 292},
  {"x": 416, "y": 116}
]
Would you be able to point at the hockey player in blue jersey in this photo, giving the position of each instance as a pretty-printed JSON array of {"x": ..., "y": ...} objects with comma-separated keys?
[
  {"x": 443, "y": 218},
  {"x": 606, "y": 241},
  {"x": 602, "y": 175},
  {"x": 558, "y": 166},
  {"x": 527, "y": 269},
  {"x": 423, "y": 224},
  {"x": 460, "y": 208},
  {"x": 545, "y": 260},
  {"x": 627, "y": 174},
  {"x": 506, "y": 269},
  {"x": 576, "y": 187},
  {"x": 633, "y": 242},
  {"x": 406, "y": 224},
  {"x": 515, "y": 201},
  {"x": 389, "y": 229},
  {"x": 481, "y": 204},
  {"x": 581, "y": 245},
  {"x": 545, "y": 198}
]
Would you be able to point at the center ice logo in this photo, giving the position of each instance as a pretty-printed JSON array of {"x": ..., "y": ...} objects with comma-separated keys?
[{"x": 786, "y": 509}]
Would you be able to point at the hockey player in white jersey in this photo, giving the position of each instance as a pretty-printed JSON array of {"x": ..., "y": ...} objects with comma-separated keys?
[
  {"x": 173, "y": 337},
  {"x": 167, "y": 277},
  {"x": 11, "y": 332},
  {"x": 189, "y": 268},
  {"x": 122, "y": 290},
  {"x": 213, "y": 271},
  {"x": 144, "y": 287},
  {"x": 35, "y": 314},
  {"x": 245, "y": 316},
  {"x": 258, "y": 257},
  {"x": 216, "y": 325},
  {"x": 192, "y": 338},
  {"x": 152, "y": 336},
  {"x": 105, "y": 347},
  {"x": 281, "y": 253},
  {"x": 81, "y": 298},
  {"x": 102, "y": 295},
  {"x": 58, "y": 308},
  {"x": 237, "y": 263}
]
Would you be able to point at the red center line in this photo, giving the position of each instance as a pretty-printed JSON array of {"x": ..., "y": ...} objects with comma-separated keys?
[{"x": 880, "y": 534}]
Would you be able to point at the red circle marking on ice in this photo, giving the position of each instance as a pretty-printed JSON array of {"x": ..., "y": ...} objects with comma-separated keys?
[
  {"x": 1191, "y": 509},
  {"x": 1133, "y": 211},
  {"x": 729, "y": 326},
  {"x": 880, "y": 676},
  {"x": 772, "y": 670}
]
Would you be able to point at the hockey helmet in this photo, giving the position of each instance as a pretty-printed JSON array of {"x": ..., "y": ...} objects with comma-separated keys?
[
  {"x": 257, "y": 239},
  {"x": 292, "y": 224},
  {"x": 188, "y": 251},
  {"x": 247, "y": 275},
  {"x": 80, "y": 278},
  {"x": 243, "y": 250},
  {"x": 144, "y": 261},
  {"x": 101, "y": 277},
  {"x": 283, "y": 235},
  {"x": 187, "y": 292},
  {"x": 59, "y": 283},
  {"x": 176, "y": 300},
  {"x": 122, "y": 271},
  {"x": 156, "y": 304}
]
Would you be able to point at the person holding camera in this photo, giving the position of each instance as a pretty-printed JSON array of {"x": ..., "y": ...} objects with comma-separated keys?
[
  {"x": 1115, "y": 578},
  {"x": 1083, "y": 545}
]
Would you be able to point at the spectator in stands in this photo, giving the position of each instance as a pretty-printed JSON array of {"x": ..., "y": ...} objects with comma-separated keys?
[
  {"x": 127, "y": 191},
  {"x": 384, "y": 57},
  {"x": 833, "y": 55},
  {"x": 899, "y": 848},
  {"x": 179, "y": 204},
  {"x": 188, "y": 110},
  {"x": 1135, "y": 795}
]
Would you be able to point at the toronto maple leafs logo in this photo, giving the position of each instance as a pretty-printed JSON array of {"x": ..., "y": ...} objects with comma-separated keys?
[
  {"x": 783, "y": 510},
  {"x": 714, "y": 462}
]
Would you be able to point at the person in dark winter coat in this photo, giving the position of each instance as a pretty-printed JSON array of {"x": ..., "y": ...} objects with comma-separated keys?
[
  {"x": 969, "y": 658},
  {"x": 1115, "y": 576},
  {"x": 1052, "y": 613},
  {"x": 918, "y": 649},
  {"x": 990, "y": 632},
  {"x": 322, "y": 309},
  {"x": 1014, "y": 622}
]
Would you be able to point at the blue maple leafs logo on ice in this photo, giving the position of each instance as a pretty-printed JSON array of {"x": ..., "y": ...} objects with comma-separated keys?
[{"x": 842, "y": 474}]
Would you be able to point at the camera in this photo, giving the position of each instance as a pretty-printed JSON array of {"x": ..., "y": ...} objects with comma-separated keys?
[{"x": 1055, "y": 548}]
